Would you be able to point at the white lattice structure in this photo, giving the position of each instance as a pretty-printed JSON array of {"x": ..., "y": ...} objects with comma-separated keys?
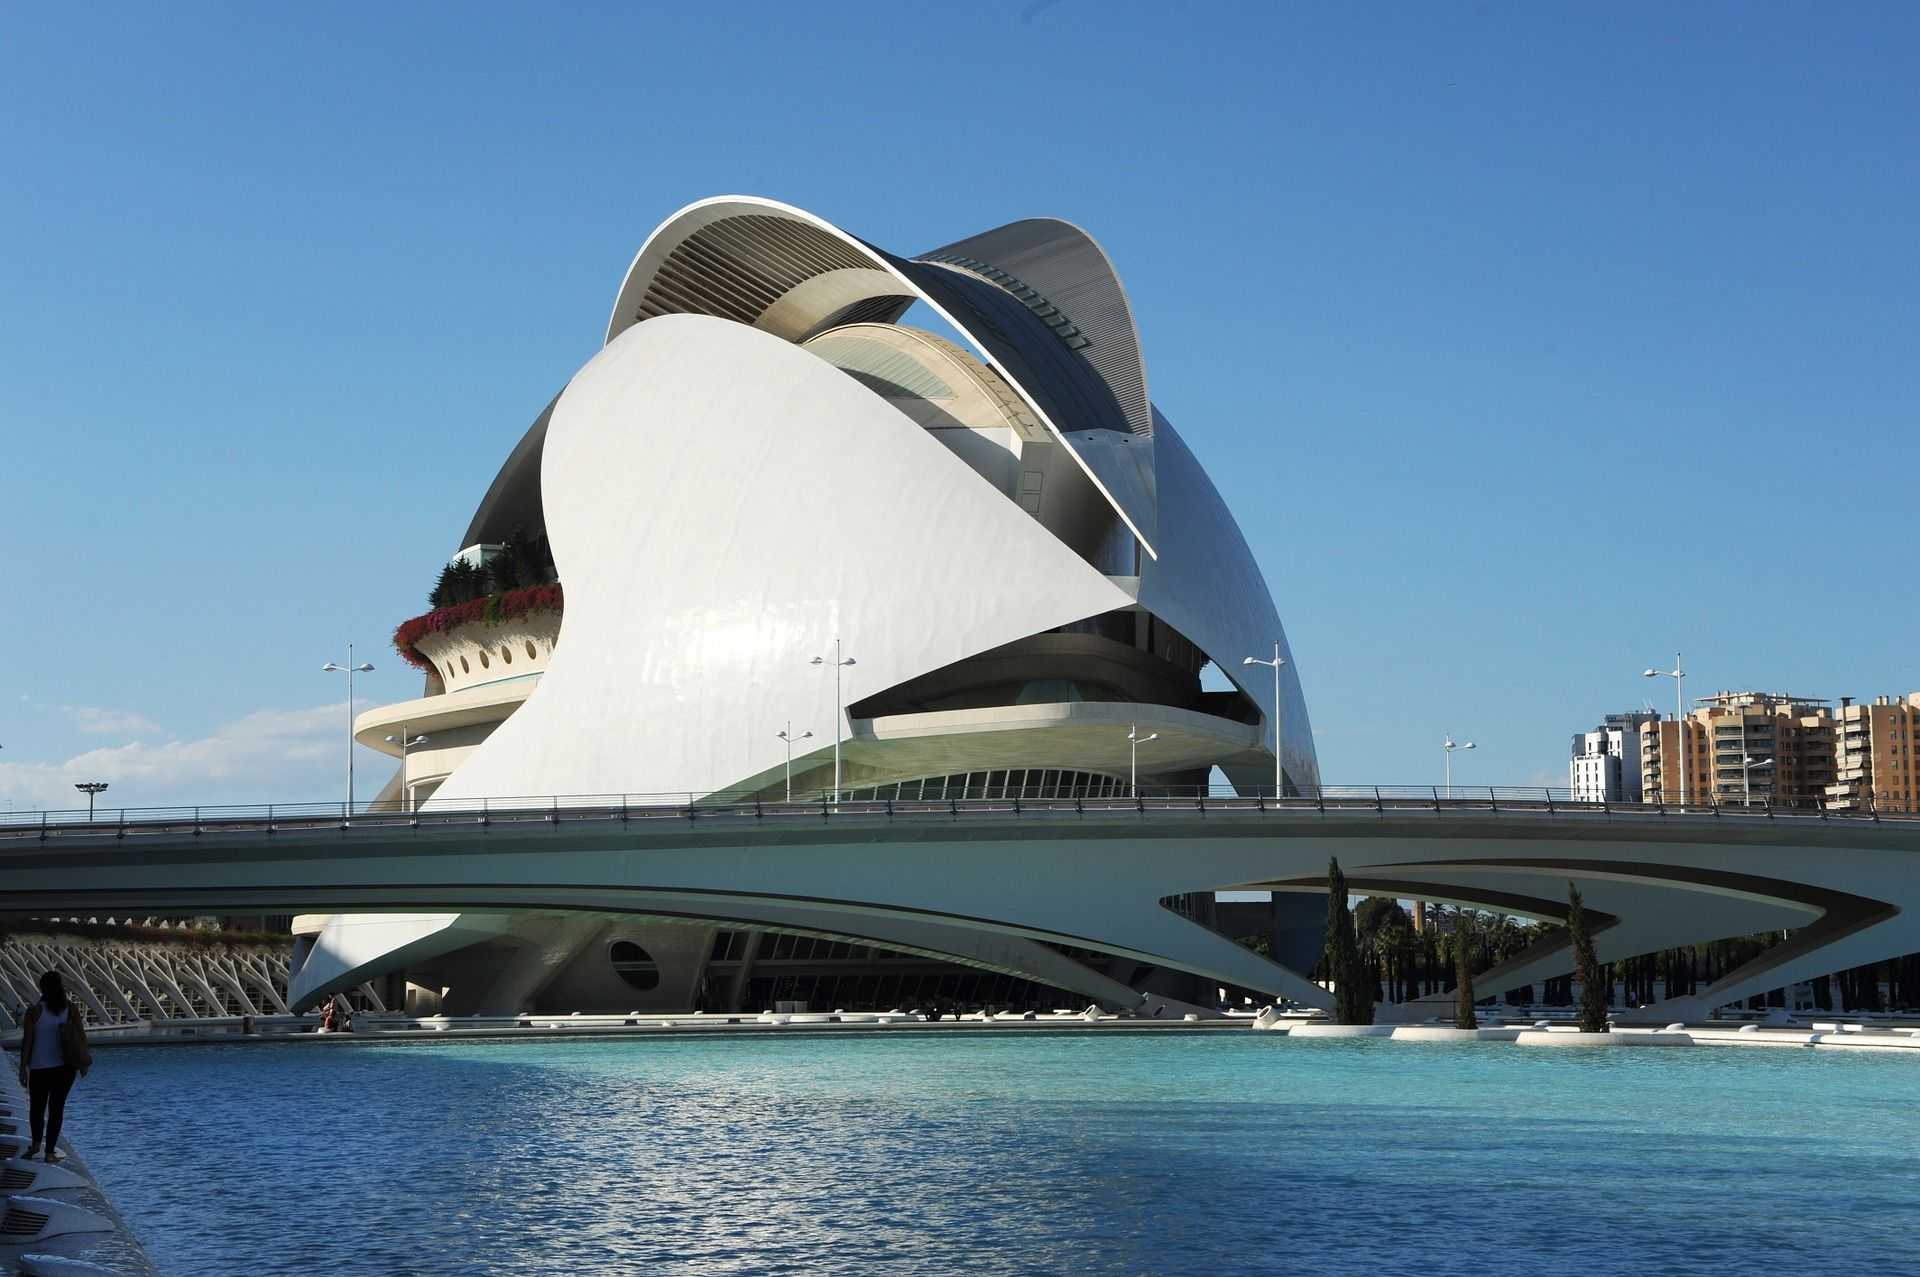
[{"x": 125, "y": 981}]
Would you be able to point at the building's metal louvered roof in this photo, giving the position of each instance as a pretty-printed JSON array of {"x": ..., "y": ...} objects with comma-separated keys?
[
  {"x": 891, "y": 372},
  {"x": 902, "y": 364},
  {"x": 1059, "y": 272},
  {"x": 1038, "y": 298}
]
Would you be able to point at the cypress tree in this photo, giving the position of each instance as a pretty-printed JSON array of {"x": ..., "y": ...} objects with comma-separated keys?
[
  {"x": 442, "y": 593},
  {"x": 1352, "y": 991},
  {"x": 508, "y": 569},
  {"x": 1593, "y": 996},
  {"x": 1463, "y": 1013}
]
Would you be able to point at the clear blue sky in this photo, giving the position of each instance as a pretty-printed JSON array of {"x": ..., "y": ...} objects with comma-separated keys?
[{"x": 1528, "y": 342}]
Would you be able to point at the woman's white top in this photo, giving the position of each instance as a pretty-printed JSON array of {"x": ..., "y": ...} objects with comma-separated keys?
[{"x": 47, "y": 1053}]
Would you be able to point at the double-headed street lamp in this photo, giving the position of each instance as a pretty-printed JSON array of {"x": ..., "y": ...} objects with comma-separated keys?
[
  {"x": 1134, "y": 741},
  {"x": 91, "y": 788},
  {"x": 1279, "y": 718},
  {"x": 1748, "y": 762},
  {"x": 839, "y": 709},
  {"x": 349, "y": 669},
  {"x": 789, "y": 737},
  {"x": 406, "y": 788},
  {"x": 1447, "y": 746},
  {"x": 1679, "y": 677}
]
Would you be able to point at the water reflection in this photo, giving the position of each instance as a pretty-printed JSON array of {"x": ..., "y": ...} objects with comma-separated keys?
[{"x": 941, "y": 1154}]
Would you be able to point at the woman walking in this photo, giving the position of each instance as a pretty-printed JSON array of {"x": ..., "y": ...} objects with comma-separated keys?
[{"x": 53, "y": 1051}]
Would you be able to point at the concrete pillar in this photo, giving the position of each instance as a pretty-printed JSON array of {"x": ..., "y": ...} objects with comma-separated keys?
[{"x": 737, "y": 991}]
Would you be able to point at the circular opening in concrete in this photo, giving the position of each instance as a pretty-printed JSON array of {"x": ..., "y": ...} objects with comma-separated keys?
[{"x": 634, "y": 965}]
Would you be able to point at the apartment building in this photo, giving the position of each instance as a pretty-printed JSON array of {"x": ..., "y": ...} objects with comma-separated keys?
[
  {"x": 1742, "y": 747},
  {"x": 1876, "y": 747},
  {"x": 1664, "y": 744},
  {"x": 1769, "y": 748},
  {"x": 1605, "y": 767}
]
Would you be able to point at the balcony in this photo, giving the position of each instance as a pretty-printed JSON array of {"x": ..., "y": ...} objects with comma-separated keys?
[{"x": 485, "y": 640}]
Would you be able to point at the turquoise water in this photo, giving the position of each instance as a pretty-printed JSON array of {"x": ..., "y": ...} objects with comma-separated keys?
[{"x": 943, "y": 1153}]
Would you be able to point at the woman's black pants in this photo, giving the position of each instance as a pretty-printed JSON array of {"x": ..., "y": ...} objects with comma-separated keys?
[{"x": 47, "y": 1095}]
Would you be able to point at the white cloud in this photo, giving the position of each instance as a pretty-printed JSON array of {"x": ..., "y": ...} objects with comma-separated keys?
[
  {"x": 111, "y": 722},
  {"x": 1546, "y": 778},
  {"x": 268, "y": 756}
]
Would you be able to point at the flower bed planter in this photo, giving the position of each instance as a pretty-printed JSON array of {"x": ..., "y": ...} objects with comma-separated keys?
[{"x": 494, "y": 609}]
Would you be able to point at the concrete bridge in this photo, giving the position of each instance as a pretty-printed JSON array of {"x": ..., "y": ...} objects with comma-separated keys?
[{"x": 1008, "y": 884}]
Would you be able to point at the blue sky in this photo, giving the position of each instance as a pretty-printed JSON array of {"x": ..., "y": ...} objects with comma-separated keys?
[{"x": 1529, "y": 343}]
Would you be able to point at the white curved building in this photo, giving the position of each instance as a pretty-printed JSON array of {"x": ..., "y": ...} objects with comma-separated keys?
[{"x": 1003, "y": 535}]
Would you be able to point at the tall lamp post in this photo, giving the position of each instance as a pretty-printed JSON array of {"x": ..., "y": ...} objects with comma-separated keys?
[
  {"x": 1134, "y": 741},
  {"x": 1447, "y": 747},
  {"x": 406, "y": 788},
  {"x": 1679, "y": 677},
  {"x": 1279, "y": 719},
  {"x": 91, "y": 788},
  {"x": 839, "y": 709},
  {"x": 349, "y": 669},
  {"x": 1747, "y": 762},
  {"x": 789, "y": 737}
]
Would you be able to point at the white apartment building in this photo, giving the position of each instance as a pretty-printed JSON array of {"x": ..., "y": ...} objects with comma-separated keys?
[{"x": 1606, "y": 761}]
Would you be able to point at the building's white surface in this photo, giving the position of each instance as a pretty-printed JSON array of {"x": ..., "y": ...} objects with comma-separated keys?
[{"x": 1015, "y": 547}]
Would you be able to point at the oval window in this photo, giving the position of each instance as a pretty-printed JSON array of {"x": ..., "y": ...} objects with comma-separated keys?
[
  {"x": 485, "y": 664},
  {"x": 634, "y": 965},
  {"x": 531, "y": 654},
  {"x": 506, "y": 653},
  {"x": 464, "y": 667}
]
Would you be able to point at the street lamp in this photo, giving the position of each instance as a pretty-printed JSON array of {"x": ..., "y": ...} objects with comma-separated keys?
[
  {"x": 839, "y": 709},
  {"x": 406, "y": 789},
  {"x": 349, "y": 669},
  {"x": 90, "y": 788},
  {"x": 1134, "y": 741},
  {"x": 1747, "y": 761},
  {"x": 1447, "y": 747},
  {"x": 789, "y": 737},
  {"x": 1679, "y": 677},
  {"x": 1279, "y": 719}
]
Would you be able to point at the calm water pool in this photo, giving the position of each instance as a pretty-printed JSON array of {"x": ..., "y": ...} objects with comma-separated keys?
[{"x": 979, "y": 1154}]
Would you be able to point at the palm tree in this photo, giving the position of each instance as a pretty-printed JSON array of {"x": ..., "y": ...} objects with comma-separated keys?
[
  {"x": 1463, "y": 931},
  {"x": 1383, "y": 930}
]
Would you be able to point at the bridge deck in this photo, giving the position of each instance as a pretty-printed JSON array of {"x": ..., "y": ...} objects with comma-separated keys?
[{"x": 307, "y": 818}]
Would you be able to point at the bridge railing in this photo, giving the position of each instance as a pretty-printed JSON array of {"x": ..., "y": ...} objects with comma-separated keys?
[{"x": 888, "y": 801}]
